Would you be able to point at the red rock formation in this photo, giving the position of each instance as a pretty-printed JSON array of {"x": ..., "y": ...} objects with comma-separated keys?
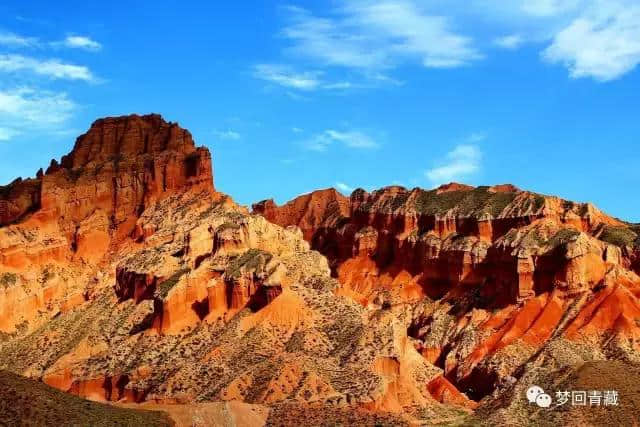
[
  {"x": 119, "y": 166},
  {"x": 309, "y": 212},
  {"x": 164, "y": 290},
  {"x": 18, "y": 199},
  {"x": 453, "y": 235},
  {"x": 88, "y": 202},
  {"x": 549, "y": 268}
]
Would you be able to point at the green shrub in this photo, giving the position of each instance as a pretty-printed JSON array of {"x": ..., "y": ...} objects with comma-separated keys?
[
  {"x": 253, "y": 259},
  {"x": 476, "y": 201},
  {"x": 8, "y": 279},
  {"x": 620, "y": 236},
  {"x": 164, "y": 287}
]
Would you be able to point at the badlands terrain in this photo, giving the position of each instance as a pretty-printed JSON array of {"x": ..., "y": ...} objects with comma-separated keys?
[{"x": 128, "y": 280}]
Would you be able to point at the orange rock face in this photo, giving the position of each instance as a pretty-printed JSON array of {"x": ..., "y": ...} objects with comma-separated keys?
[
  {"x": 506, "y": 270},
  {"x": 125, "y": 277},
  {"x": 84, "y": 205},
  {"x": 308, "y": 212}
]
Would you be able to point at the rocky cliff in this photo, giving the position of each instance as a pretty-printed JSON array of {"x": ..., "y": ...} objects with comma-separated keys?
[
  {"x": 125, "y": 277},
  {"x": 497, "y": 280},
  {"x": 60, "y": 225}
]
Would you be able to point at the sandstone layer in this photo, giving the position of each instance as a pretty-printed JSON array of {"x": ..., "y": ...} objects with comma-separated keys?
[
  {"x": 125, "y": 277},
  {"x": 494, "y": 280},
  {"x": 130, "y": 279}
]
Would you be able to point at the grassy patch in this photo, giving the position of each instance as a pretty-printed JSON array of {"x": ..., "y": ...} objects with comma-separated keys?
[
  {"x": 620, "y": 236},
  {"x": 477, "y": 201},
  {"x": 8, "y": 279},
  {"x": 27, "y": 402},
  {"x": 253, "y": 259},
  {"x": 227, "y": 225},
  {"x": 563, "y": 237},
  {"x": 164, "y": 287}
]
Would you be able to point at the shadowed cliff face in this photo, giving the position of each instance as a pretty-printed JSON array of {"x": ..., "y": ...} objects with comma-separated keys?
[
  {"x": 496, "y": 278},
  {"x": 125, "y": 277}
]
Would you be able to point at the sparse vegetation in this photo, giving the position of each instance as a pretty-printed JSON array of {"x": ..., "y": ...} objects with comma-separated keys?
[
  {"x": 476, "y": 201},
  {"x": 228, "y": 225},
  {"x": 620, "y": 236},
  {"x": 253, "y": 259},
  {"x": 563, "y": 236},
  {"x": 164, "y": 287},
  {"x": 28, "y": 402},
  {"x": 8, "y": 279}
]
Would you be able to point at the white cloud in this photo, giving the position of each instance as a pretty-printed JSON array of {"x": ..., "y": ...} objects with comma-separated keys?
[
  {"x": 512, "y": 41},
  {"x": 351, "y": 139},
  {"x": 297, "y": 130},
  {"x": 31, "y": 110},
  {"x": 378, "y": 35},
  {"x": 603, "y": 43},
  {"x": 545, "y": 8},
  {"x": 597, "y": 39},
  {"x": 6, "y": 133},
  {"x": 52, "y": 68},
  {"x": 338, "y": 85},
  {"x": 15, "y": 40},
  {"x": 285, "y": 76},
  {"x": 461, "y": 162},
  {"x": 227, "y": 135},
  {"x": 344, "y": 187},
  {"x": 81, "y": 42}
]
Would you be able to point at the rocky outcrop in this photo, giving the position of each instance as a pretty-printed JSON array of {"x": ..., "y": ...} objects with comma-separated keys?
[
  {"x": 18, "y": 199},
  {"x": 125, "y": 277},
  {"x": 87, "y": 204},
  {"x": 499, "y": 237},
  {"x": 309, "y": 212},
  {"x": 120, "y": 166},
  {"x": 497, "y": 276}
]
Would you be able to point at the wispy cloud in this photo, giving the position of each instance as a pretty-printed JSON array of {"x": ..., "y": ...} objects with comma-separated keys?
[
  {"x": 6, "y": 133},
  {"x": 26, "y": 106},
  {"x": 229, "y": 135},
  {"x": 52, "y": 68},
  {"x": 297, "y": 130},
  {"x": 546, "y": 8},
  {"x": 596, "y": 39},
  {"x": 512, "y": 41},
  {"x": 461, "y": 162},
  {"x": 17, "y": 41},
  {"x": 81, "y": 42},
  {"x": 378, "y": 35},
  {"x": 32, "y": 110},
  {"x": 344, "y": 187},
  {"x": 351, "y": 139},
  {"x": 603, "y": 43},
  {"x": 285, "y": 76}
]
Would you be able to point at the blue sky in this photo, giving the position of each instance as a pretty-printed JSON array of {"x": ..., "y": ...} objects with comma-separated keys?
[{"x": 292, "y": 97}]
